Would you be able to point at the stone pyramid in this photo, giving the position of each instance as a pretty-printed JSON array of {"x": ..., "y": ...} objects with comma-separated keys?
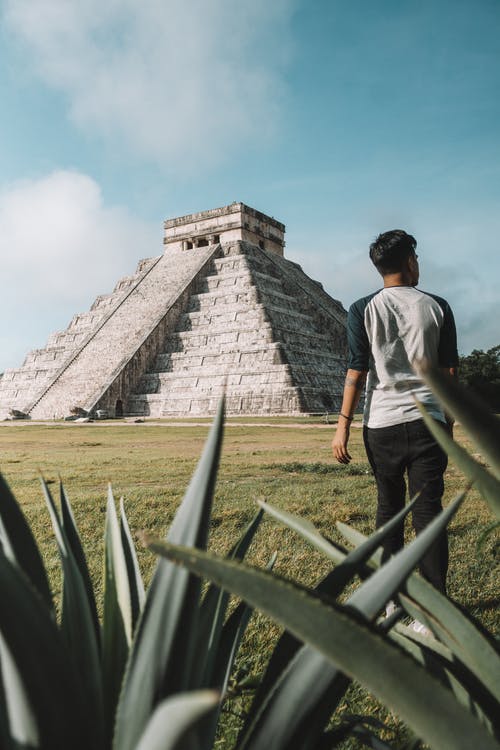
[{"x": 221, "y": 308}]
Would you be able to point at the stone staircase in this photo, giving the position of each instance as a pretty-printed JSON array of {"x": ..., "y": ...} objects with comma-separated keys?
[
  {"x": 109, "y": 363},
  {"x": 21, "y": 387},
  {"x": 250, "y": 328},
  {"x": 186, "y": 327}
]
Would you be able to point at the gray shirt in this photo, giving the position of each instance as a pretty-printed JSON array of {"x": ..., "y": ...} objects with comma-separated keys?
[{"x": 387, "y": 332}]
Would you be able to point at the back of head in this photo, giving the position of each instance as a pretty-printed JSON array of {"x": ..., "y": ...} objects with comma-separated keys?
[{"x": 391, "y": 250}]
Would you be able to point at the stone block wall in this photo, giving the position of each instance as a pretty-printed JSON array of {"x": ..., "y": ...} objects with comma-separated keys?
[
  {"x": 249, "y": 329},
  {"x": 185, "y": 328}
]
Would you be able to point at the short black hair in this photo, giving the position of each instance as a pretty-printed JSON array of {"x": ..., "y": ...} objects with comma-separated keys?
[{"x": 391, "y": 249}]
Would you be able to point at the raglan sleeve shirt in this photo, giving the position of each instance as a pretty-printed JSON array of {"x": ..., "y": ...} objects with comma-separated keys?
[
  {"x": 357, "y": 338},
  {"x": 447, "y": 350}
]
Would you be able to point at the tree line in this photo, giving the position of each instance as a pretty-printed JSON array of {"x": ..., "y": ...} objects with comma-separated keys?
[{"x": 480, "y": 371}]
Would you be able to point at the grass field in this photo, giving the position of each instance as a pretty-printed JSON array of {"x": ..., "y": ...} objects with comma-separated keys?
[{"x": 286, "y": 462}]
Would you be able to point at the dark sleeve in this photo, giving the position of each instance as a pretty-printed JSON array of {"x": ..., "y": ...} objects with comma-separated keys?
[
  {"x": 447, "y": 351},
  {"x": 357, "y": 338}
]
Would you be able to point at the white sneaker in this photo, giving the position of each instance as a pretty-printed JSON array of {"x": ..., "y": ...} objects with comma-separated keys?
[
  {"x": 420, "y": 628},
  {"x": 390, "y": 608}
]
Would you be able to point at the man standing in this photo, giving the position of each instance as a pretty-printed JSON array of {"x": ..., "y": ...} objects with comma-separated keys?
[{"x": 388, "y": 332}]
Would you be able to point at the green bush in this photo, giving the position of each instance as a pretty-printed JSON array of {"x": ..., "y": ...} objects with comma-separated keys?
[{"x": 153, "y": 675}]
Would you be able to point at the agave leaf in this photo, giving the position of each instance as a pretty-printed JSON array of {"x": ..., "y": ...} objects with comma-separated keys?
[
  {"x": 23, "y": 543},
  {"x": 174, "y": 718},
  {"x": 74, "y": 542},
  {"x": 354, "y": 726},
  {"x": 487, "y": 484},
  {"x": 21, "y": 725},
  {"x": 5, "y": 738},
  {"x": 295, "y": 711},
  {"x": 52, "y": 687},
  {"x": 305, "y": 528},
  {"x": 136, "y": 585},
  {"x": 77, "y": 626},
  {"x": 230, "y": 639},
  {"x": 232, "y": 633},
  {"x": 213, "y": 610},
  {"x": 476, "y": 418},
  {"x": 453, "y": 627},
  {"x": 117, "y": 616},
  {"x": 351, "y": 565},
  {"x": 372, "y": 595},
  {"x": 457, "y": 630},
  {"x": 353, "y": 647},
  {"x": 160, "y": 661},
  {"x": 368, "y": 738},
  {"x": 440, "y": 662},
  {"x": 228, "y": 645},
  {"x": 308, "y": 682},
  {"x": 356, "y": 538}
]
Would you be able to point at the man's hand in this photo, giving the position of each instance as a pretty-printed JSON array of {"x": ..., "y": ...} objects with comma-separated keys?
[
  {"x": 354, "y": 384},
  {"x": 339, "y": 444}
]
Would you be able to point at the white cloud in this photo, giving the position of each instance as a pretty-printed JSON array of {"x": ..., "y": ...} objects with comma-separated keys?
[
  {"x": 61, "y": 247},
  {"x": 179, "y": 81},
  {"x": 457, "y": 262}
]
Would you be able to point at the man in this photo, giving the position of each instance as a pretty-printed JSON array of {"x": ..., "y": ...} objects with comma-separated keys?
[{"x": 388, "y": 332}]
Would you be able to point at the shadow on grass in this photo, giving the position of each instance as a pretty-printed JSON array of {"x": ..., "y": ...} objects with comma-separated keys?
[{"x": 297, "y": 467}]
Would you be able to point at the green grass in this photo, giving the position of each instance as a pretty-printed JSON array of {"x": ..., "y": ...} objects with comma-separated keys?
[{"x": 291, "y": 467}]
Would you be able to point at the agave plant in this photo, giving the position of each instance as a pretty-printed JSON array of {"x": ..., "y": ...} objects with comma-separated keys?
[
  {"x": 155, "y": 666},
  {"x": 446, "y": 687},
  {"x": 144, "y": 678}
]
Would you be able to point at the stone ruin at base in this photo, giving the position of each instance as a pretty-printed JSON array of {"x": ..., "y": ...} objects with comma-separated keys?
[{"x": 221, "y": 308}]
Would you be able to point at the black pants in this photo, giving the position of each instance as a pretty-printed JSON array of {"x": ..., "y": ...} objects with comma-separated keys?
[{"x": 393, "y": 452}]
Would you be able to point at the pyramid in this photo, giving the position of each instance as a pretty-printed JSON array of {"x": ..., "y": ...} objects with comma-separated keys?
[{"x": 220, "y": 309}]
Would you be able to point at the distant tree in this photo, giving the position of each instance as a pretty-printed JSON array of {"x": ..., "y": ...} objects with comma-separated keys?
[{"x": 480, "y": 371}]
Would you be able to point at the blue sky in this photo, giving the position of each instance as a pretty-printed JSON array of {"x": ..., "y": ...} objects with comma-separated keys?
[{"x": 341, "y": 119}]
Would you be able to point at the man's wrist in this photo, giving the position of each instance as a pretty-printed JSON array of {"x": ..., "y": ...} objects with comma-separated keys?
[{"x": 346, "y": 417}]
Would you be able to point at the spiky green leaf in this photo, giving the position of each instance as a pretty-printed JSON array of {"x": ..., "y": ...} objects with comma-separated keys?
[
  {"x": 213, "y": 611},
  {"x": 305, "y": 528},
  {"x": 22, "y": 542},
  {"x": 476, "y": 418},
  {"x": 457, "y": 630},
  {"x": 160, "y": 661},
  {"x": 356, "y": 538},
  {"x": 47, "y": 672},
  {"x": 117, "y": 615},
  {"x": 21, "y": 728},
  {"x": 454, "y": 627},
  {"x": 310, "y": 686},
  {"x": 77, "y": 626},
  {"x": 373, "y": 594},
  {"x": 352, "y": 647},
  {"x": 75, "y": 543},
  {"x": 136, "y": 585},
  {"x": 487, "y": 484},
  {"x": 443, "y": 664},
  {"x": 174, "y": 718}
]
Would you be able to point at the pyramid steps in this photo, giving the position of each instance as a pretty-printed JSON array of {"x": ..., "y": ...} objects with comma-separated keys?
[
  {"x": 216, "y": 311},
  {"x": 244, "y": 328},
  {"x": 213, "y": 357},
  {"x": 22, "y": 386},
  {"x": 239, "y": 400},
  {"x": 103, "y": 356}
]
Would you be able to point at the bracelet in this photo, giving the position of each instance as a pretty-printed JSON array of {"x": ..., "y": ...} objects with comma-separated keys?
[{"x": 349, "y": 419}]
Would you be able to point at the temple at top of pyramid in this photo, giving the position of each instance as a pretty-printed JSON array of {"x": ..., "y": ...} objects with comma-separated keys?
[
  {"x": 227, "y": 224},
  {"x": 221, "y": 310}
]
